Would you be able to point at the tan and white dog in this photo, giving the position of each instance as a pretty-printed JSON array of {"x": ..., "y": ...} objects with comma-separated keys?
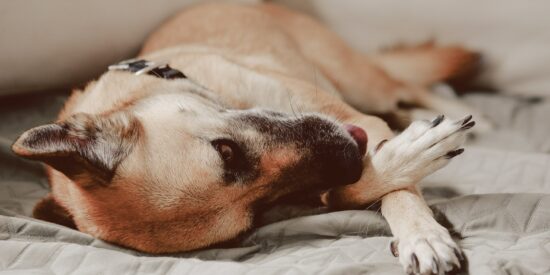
[{"x": 271, "y": 112}]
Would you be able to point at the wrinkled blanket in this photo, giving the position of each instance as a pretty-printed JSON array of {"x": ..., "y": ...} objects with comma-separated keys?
[{"x": 495, "y": 198}]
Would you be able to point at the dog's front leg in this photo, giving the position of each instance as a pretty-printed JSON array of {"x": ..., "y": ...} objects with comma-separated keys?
[
  {"x": 391, "y": 170},
  {"x": 400, "y": 162},
  {"x": 421, "y": 243}
]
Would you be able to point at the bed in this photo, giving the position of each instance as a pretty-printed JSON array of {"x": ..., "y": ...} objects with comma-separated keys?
[{"x": 494, "y": 198}]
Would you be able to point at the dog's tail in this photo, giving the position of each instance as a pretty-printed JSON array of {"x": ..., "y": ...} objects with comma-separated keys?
[{"x": 427, "y": 64}]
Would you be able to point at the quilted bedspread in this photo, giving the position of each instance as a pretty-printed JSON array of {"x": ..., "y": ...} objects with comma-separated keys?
[{"x": 495, "y": 198}]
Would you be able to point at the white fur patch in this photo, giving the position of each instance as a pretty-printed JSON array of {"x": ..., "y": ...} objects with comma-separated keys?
[
  {"x": 417, "y": 152},
  {"x": 428, "y": 250}
]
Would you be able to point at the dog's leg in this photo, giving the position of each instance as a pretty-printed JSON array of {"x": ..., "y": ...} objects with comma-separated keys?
[
  {"x": 377, "y": 83},
  {"x": 373, "y": 83},
  {"x": 422, "y": 245},
  {"x": 426, "y": 64},
  {"x": 423, "y": 148}
]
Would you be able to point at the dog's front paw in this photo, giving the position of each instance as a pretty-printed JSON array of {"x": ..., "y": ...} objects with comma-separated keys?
[
  {"x": 428, "y": 252},
  {"x": 423, "y": 148}
]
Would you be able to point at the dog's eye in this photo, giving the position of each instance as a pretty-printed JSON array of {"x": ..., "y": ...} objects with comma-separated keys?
[
  {"x": 227, "y": 149},
  {"x": 235, "y": 163},
  {"x": 226, "y": 152}
]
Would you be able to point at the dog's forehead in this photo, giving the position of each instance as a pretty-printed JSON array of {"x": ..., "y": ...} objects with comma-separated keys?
[
  {"x": 170, "y": 159},
  {"x": 178, "y": 102},
  {"x": 178, "y": 110}
]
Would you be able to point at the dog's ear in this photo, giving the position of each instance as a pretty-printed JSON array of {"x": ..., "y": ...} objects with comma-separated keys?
[
  {"x": 82, "y": 147},
  {"x": 48, "y": 209}
]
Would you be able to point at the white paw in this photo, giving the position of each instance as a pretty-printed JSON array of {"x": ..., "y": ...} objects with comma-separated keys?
[
  {"x": 423, "y": 148},
  {"x": 431, "y": 251}
]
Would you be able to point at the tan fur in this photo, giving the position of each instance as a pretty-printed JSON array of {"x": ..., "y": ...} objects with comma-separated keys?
[
  {"x": 426, "y": 64},
  {"x": 161, "y": 198}
]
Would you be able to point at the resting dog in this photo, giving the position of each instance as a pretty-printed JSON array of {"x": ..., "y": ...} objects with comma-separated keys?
[{"x": 232, "y": 110}]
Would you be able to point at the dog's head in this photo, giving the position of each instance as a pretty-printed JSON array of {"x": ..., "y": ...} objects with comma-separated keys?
[{"x": 177, "y": 170}]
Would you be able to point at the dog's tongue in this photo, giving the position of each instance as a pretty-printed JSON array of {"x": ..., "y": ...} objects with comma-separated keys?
[{"x": 360, "y": 137}]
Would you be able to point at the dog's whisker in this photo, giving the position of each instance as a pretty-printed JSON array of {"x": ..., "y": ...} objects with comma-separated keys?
[
  {"x": 365, "y": 229},
  {"x": 291, "y": 105}
]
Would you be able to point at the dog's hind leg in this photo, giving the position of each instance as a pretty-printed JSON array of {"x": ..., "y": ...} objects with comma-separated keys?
[
  {"x": 426, "y": 64},
  {"x": 378, "y": 83},
  {"x": 361, "y": 82}
]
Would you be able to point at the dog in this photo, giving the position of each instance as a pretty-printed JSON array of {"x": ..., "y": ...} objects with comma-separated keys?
[{"x": 232, "y": 110}]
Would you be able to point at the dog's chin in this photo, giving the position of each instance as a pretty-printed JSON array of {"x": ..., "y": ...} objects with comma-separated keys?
[{"x": 310, "y": 195}]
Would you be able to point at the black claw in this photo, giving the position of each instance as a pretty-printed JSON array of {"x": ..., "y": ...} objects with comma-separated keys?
[
  {"x": 379, "y": 146},
  {"x": 435, "y": 267},
  {"x": 438, "y": 120},
  {"x": 415, "y": 264},
  {"x": 467, "y": 119},
  {"x": 393, "y": 248},
  {"x": 468, "y": 125},
  {"x": 454, "y": 153},
  {"x": 459, "y": 254}
]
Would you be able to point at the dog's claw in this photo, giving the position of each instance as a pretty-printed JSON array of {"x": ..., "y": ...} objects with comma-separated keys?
[
  {"x": 437, "y": 120},
  {"x": 466, "y": 119},
  {"x": 393, "y": 248},
  {"x": 454, "y": 153},
  {"x": 435, "y": 267},
  {"x": 468, "y": 125},
  {"x": 379, "y": 146},
  {"x": 415, "y": 264},
  {"x": 459, "y": 255}
]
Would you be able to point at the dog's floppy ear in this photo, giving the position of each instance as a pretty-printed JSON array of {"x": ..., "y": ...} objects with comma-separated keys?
[{"x": 83, "y": 145}]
